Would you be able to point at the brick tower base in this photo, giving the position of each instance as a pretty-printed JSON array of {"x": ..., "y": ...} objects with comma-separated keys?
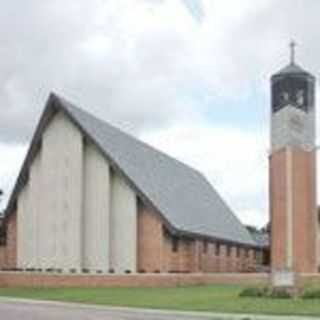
[{"x": 293, "y": 210}]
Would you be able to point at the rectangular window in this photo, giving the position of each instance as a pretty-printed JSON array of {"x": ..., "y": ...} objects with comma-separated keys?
[
  {"x": 247, "y": 253},
  {"x": 228, "y": 251},
  {"x": 238, "y": 252},
  {"x": 3, "y": 234},
  {"x": 175, "y": 244},
  {"x": 205, "y": 246},
  {"x": 217, "y": 249}
]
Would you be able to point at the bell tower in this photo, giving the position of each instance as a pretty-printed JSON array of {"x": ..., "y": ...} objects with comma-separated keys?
[{"x": 293, "y": 207}]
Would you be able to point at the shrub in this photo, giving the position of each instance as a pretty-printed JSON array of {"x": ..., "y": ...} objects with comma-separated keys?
[
  {"x": 85, "y": 270},
  {"x": 266, "y": 292},
  {"x": 312, "y": 294},
  {"x": 282, "y": 293},
  {"x": 253, "y": 292}
]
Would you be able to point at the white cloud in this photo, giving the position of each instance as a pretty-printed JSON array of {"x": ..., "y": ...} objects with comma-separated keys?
[
  {"x": 11, "y": 158},
  {"x": 140, "y": 64},
  {"x": 134, "y": 62}
]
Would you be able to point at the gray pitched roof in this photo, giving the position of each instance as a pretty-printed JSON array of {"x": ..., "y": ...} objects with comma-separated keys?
[
  {"x": 182, "y": 195},
  {"x": 293, "y": 69}
]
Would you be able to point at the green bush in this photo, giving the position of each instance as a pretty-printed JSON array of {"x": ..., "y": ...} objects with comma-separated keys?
[
  {"x": 312, "y": 294},
  {"x": 281, "y": 293},
  {"x": 253, "y": 292},
  {"x": 267, "y": 292}
]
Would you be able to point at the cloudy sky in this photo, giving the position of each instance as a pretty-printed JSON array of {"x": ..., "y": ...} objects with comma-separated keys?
[{"x": 190, "y": 77}]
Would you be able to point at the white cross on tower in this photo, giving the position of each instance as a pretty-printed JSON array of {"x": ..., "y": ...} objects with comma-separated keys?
[{"x": 293, "y": 45}]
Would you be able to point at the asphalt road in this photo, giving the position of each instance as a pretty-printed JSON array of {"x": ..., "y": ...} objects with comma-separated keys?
[
  {"x": 51, "y": 311},
  {"x": 28, "y": 310}
]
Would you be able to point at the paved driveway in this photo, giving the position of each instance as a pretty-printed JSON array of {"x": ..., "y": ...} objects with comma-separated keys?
[{"x": 27, "y": 310}]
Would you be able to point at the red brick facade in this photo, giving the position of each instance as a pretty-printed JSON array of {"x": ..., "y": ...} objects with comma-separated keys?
[
  {"x": 304, "y": 222},
  {"x": 8, "y": 253},
  {"x": 45, "y": 280},
  {"x": 25, "y": 279},
  {"x": 159, "y": 251}
]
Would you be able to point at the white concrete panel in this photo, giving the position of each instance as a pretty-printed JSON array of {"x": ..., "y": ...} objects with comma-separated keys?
[
  {"x": 293, "y": 127},
  {"x": 49, "y": 228},
  {"x": 96, "y": 210},
  {"x": 123, "y": 231},
  {"x": 62, "y": 161},
  {"x": 73, "y": 213},
  {"x": 34, "y": 193}
]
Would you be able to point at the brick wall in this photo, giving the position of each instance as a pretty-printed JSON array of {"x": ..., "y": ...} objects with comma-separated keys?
[
  {"x": 19, "y": 279},
  {"x": 8, "y": 253},
  {"x": 3, "y": 256},
  {"x": 45, "y": 280},
  {"x": 149, "y": 240},
  {"x": 303, "y": 255},
  {"x": 12, "y": 241},
  {"x": 156, "y": 254},
  {"x": 277, "y": 182},
  {"x": 305, "y": 215},
  {"x": 182, "y": 260}
]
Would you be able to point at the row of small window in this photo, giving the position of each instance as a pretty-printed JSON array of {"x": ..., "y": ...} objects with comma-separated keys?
[{"x": 217, "y": 248}]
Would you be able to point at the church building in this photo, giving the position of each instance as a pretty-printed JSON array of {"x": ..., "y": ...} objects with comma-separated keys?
[{"x": 91, "y": 198}]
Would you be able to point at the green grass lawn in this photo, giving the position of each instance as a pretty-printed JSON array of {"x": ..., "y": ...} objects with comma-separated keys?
[{"x": 202, "y": 298}]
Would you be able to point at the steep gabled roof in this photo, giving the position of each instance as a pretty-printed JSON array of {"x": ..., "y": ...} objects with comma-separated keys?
[
  {"x": 181, "y": 195},
  {"x": 293, "y": 70}
]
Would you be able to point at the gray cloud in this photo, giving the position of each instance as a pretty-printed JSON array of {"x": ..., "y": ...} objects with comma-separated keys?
[
  {"x": 140, "y": 64},
  {"x": 95, "y": 53},
  {"x": 136, "y": 63}
]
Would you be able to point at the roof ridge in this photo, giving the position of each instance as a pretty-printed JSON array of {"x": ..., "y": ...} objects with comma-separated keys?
[
  {"x": 70, "y": 107},
  {"x": 137, "y": 140},
  {"x": 293, "y": 68},
  {"x": 182, "y": 195}
]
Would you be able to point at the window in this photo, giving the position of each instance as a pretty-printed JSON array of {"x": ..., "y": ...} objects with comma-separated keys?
[
  {"x": 205, "y": 246},
  {"x": 238, "y": 252},
  {"x": 217, "y": 249},
  {"x": 247, "y": 253},
  {"x": 3, "y": 234},
  {"x": 175, "y": 244},
  {"x": 228, "y": 251}
]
